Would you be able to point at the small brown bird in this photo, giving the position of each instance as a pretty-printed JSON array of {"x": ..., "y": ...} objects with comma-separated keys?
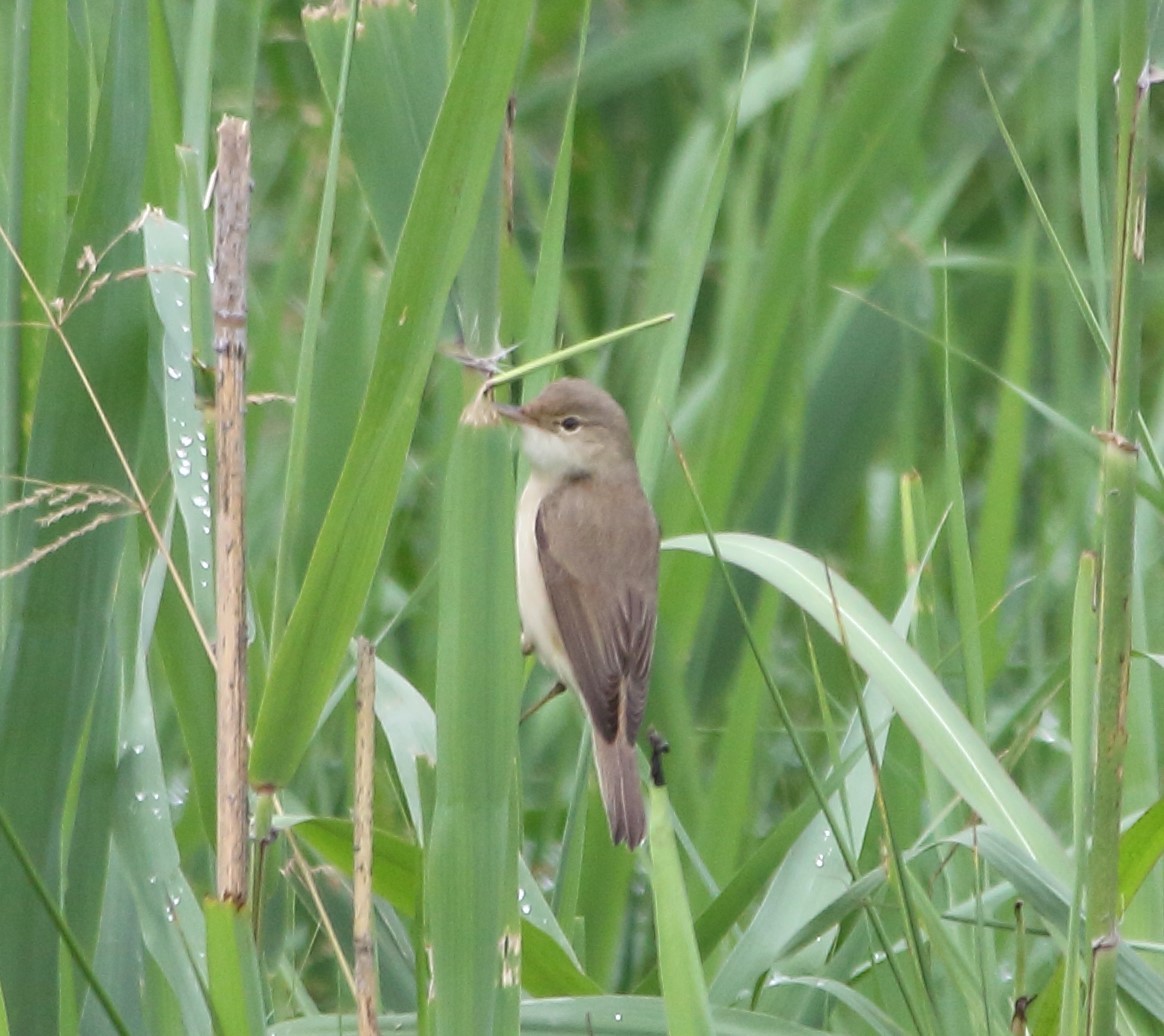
[{"x": 587, "y": 575}]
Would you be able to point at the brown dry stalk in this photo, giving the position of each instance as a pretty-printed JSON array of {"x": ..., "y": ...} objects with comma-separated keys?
[
  {"x": 232, "y": 223},
  {"x": 362, "y": 940}
]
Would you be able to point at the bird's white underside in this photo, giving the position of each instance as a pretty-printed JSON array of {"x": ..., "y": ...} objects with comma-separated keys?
[{"x": 533, "y": 603}]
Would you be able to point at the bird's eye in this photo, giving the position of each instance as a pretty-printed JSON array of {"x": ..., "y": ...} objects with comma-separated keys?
[{"x": 570, "y": 424}]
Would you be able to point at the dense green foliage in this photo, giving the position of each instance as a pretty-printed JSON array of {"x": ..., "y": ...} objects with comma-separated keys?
[{"x": 888, "y": 234}]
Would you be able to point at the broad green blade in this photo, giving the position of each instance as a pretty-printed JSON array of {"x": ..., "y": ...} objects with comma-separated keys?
[
  {"x": 470, "y": 882},
  {"x": 813, "y": 875}
]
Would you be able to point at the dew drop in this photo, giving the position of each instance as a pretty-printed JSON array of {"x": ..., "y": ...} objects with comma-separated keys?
[{"x": 173, "y": 372}]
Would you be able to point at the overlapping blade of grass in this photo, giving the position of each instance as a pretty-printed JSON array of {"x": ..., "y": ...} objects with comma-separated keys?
[
  {"x": 52, "y": 656},
  {"x": 167, "y": 911},
  {"x": 915, "y": 693},
  {"x": 436, "y": 233}
]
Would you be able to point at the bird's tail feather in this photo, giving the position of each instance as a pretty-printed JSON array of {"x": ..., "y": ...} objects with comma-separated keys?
[{"x": 618, "y": 780}]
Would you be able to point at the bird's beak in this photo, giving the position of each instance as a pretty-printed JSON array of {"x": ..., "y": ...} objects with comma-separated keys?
[{"x": 512, "y": 413}]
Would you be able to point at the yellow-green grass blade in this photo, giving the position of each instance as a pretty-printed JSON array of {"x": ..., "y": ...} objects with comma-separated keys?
[
  {"x": 915, "y": 693},
  {"x": 680, "y": 969},
  {"x": 52, "y": 657},
  {"x": 235, "y": 986},
  {"x": 437, "y": 231},
  {"x": 395, "y": 863}
]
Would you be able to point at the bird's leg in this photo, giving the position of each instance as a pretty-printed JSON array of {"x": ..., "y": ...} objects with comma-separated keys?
[{"x": 554, "y": 691}]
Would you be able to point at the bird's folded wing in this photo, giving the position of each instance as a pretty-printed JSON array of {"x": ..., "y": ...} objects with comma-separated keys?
[{"x": 599, "y": 560}]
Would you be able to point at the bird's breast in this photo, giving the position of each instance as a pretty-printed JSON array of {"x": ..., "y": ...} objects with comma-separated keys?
[{"x": 533, "y": 603}]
